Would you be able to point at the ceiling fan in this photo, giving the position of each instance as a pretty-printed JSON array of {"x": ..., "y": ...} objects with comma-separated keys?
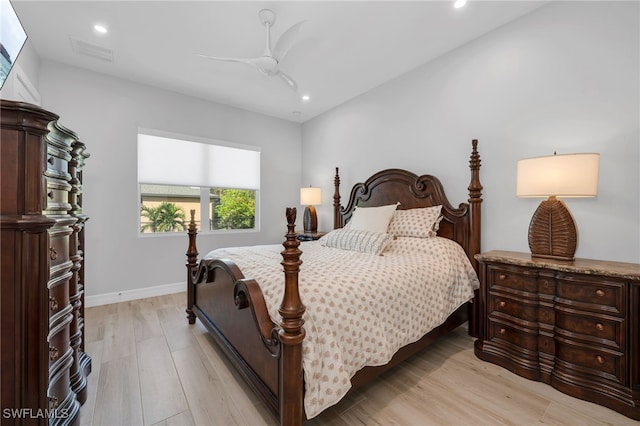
[{"x": 268, "y": 63}]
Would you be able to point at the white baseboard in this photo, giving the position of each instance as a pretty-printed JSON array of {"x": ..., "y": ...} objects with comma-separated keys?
[{"x": 139, "y": 293}]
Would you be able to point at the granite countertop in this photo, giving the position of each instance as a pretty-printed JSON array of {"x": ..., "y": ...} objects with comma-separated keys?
[{"x": 630, "y": 271}]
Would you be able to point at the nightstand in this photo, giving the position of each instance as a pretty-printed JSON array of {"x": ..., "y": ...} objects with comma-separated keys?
[
  {"x": 574, "y": 325},
  {"x": 302, "y": 236}
]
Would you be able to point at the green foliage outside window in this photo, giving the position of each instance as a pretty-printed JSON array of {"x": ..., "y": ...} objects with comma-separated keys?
[
  {"x": 167, "y": 217},
  {"x": 236, "y": 209}
]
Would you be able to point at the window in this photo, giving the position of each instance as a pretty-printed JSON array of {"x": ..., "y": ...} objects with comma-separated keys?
[{"x": 219, "y": 181}]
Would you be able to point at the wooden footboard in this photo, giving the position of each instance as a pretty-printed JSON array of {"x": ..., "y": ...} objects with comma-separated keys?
[{"x": 233, "y": 309}]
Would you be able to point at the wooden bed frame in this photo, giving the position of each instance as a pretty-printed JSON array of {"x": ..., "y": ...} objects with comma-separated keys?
[{"x": 269, "y": 355}]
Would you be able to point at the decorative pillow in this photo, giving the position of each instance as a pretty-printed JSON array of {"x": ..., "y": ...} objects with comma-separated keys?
[
  {"x": 420, "y": 223},
  {"x": 374, "y": 219},
  {"x": 357, "y": 240}
]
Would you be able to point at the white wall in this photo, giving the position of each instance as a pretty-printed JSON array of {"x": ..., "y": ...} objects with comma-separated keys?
[
  {"x": 106, "y": 113},
  {"x": 564, "y": 78}
]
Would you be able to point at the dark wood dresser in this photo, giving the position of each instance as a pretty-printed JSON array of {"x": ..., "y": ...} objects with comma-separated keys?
[
  {"x": 574, "y": 325},
  {"x": 44, "y": 366}
]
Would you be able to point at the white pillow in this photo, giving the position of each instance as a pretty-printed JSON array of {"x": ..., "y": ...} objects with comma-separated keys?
[
  {"x": 372, "y": 219},
  {"x": 420, "y": 223},
  {"x": 357, "y": 240}
]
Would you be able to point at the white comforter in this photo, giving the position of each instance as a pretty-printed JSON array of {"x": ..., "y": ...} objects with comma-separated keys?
[{"x": 361, "y": 308}]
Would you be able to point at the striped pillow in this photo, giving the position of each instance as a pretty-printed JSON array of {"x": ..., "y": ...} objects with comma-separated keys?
[{"x": 357, "y": 240}]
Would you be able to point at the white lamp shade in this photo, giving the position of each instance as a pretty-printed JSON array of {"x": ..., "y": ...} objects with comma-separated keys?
[
  {"x": 310, "y": 196},
  {"x": 567, "y": 175}
]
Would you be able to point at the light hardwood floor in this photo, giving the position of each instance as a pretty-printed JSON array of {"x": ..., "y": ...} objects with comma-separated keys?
[{"x": 152, "y": 368}]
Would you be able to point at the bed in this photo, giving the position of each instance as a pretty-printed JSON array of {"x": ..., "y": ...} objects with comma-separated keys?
[{"x": 250, "y": 299}]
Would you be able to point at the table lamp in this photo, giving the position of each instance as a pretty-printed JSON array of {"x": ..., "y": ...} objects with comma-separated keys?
[
  {"x": 552, "y": 231},
  {"x": 309, "y": 197}
]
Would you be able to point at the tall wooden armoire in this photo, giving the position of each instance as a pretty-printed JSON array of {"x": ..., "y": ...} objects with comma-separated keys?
[{"x": 43, "y": 365}]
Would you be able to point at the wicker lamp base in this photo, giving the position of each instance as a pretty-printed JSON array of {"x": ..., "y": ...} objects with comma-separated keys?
[{"x": 552, "y": 231}]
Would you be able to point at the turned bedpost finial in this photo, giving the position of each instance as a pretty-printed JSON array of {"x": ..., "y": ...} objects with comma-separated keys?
[
  {"x": 291, "y": 332},
  {"x": 475, "y": 200},
  {"x": 192, "y": 265},
  {"x": 291, "y": 308},
  {"x": 475, "y": 188},
  {"x": 192, "y": 230},
  {"x": 337, "y": 217},
  {"x": 291, "y": 221}
]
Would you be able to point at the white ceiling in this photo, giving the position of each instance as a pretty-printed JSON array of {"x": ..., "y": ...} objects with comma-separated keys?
[{"x": 345, "y": 49}]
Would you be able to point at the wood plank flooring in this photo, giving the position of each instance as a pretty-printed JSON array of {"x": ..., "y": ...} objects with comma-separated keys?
[{"x": 152, "y": 368}]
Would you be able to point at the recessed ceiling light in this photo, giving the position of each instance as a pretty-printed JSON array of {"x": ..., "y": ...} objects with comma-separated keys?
[
  {"x": 100, "y": 29},
  {"x": 459, "y": 3},
  {"x": 306, "y": 97}
]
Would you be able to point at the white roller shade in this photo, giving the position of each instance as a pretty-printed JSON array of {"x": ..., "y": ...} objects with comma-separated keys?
[{"x": 169, "y": 161}]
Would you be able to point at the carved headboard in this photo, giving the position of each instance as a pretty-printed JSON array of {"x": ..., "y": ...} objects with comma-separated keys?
[{"x": 461, "y": 224}]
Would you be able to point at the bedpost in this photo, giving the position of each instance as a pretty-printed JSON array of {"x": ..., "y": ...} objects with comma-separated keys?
[
  {"x": 475, "y": 202},
  {"x": 337, "y": 217},
  {"x": 291, "y": 333},
  {"x": 192, "y": 265}
]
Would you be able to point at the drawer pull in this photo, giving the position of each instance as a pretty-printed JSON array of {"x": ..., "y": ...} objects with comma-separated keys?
[
  {"x": 599, "y": 359},
  {"x": 599, "y": 326},
  {"x": 600, "y": 292},
  {"x": 502, "y": 277},
  {"x": 545, "y": 284},
  {"x": 502, "y": 303},
  {"x": 50, "y": 160},
  {"x": 54, "y": 353},
  {"x": 53, "y": 303},
  {"x": 503, "y": 331},
  {"x": 50, "y": 194},
  {"x": 53, "y": 253},
  {"x": 53, "y": 402}
]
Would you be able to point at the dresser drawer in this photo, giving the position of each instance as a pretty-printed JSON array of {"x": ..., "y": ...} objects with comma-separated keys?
[
  {"x": 512, "y": 278},
  {"x": 59, "y": 246},
  {"x": 59, "y": 292},
  {"x": 57, "y": 201},
  {"x": 591, "y": 360},
  {"x": 58, "y": 340},
  {"x": 515, "y": 307},
  {"x": 60, "y": 395},
  {"x": 520, "y": 337},
  {"x": 58, "y": 391},
  {"x": 598, "y": 330},
  {"x": 591, "y": 294}
]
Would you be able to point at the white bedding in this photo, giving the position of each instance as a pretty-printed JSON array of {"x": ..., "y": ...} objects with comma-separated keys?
[{"x": 357, "y": 305}]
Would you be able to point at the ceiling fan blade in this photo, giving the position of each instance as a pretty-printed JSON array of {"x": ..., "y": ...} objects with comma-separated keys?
[
  {"x": 226, "y": 59},
  {"x": 286, "y": 41},
  {"x": 290, "y": 82}
]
